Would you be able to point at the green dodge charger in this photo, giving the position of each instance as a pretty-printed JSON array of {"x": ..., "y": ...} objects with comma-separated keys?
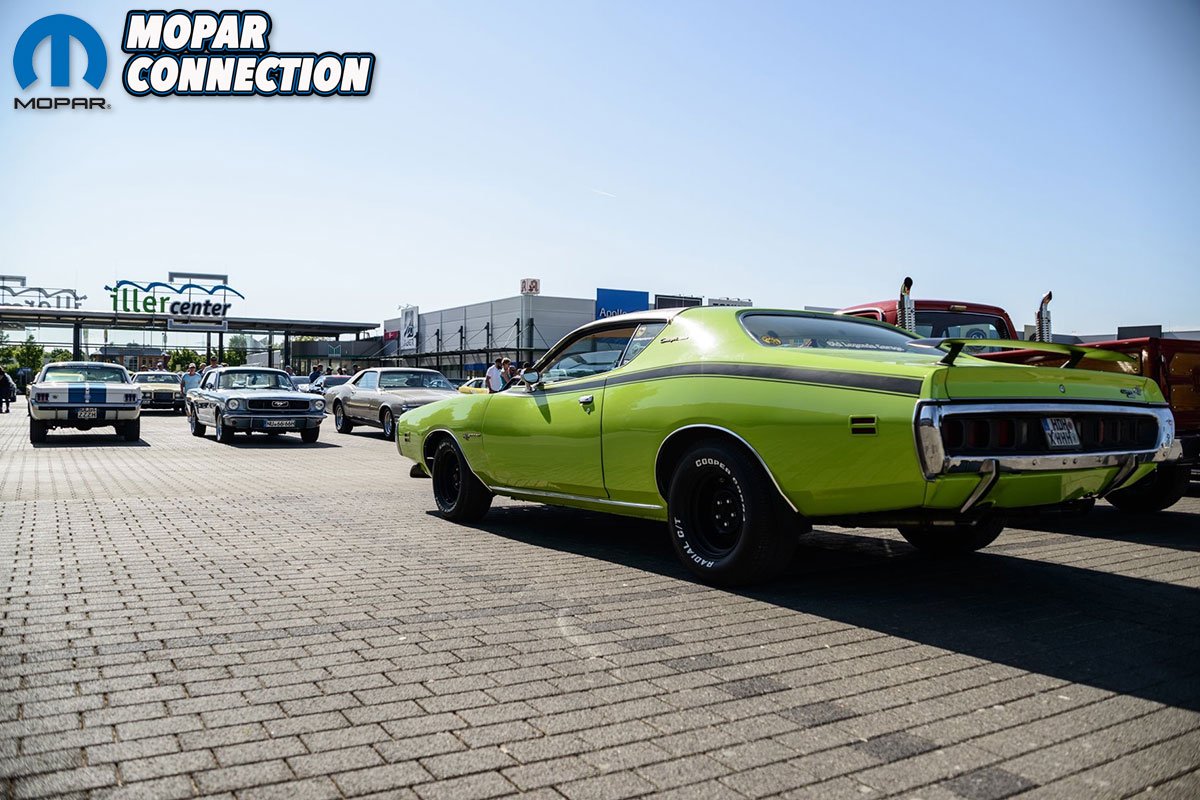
[{"x": 740, "y": 427}]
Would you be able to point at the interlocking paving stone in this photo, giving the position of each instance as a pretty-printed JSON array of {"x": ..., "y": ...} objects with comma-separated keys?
[
  {"x": 896, "y": 746},
  {"x": 752, "y": 687},
  {"x": 249, "y": 649},
  {"x": 989, "y": 783}
]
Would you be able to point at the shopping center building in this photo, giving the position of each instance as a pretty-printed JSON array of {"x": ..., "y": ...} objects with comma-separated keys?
[{"x": 463, "y": 340}]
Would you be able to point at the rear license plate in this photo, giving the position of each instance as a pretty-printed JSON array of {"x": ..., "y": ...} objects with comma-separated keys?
[
  {"x": 280, "y": 423},
  {"x": 86, "y": 413},
  {"x": 1060, "y": 433}
]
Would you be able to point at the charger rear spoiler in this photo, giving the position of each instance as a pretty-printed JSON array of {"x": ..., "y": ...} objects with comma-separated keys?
[{"x": 1074, "y": 353}]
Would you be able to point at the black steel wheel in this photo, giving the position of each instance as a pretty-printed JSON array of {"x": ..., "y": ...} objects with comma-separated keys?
[
  {"x": 951, "y": 540},
  {"x": 728, "y": 523},
  {"x": 460, "y": 496}
]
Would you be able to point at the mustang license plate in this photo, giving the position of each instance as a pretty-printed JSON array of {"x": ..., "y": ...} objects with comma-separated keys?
[
  {"x": 86, "y": 413},
  {"x": 1060, "y": 433},
  {"x": 280, "y": 423}
]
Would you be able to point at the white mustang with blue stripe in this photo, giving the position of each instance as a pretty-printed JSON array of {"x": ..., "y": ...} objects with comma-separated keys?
[{"x": 84, "y": 395}]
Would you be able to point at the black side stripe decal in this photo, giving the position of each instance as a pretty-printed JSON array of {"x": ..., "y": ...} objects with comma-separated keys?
[{"x": 823, "y": 377}]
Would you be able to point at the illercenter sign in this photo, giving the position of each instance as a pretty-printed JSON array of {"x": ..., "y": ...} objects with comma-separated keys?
[{"x": 188, "y": 306}]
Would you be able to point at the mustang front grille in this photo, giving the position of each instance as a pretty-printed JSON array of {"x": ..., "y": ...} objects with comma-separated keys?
[{"x": 271, "y": 405}]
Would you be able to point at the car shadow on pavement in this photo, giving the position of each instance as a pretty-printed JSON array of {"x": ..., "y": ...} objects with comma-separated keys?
[
  {"x": 1121, "y": 634},
  {"x": 263, "y": 442},
  {"x": 1176, "y": 530},
  {"x": 54, "y": 440}
]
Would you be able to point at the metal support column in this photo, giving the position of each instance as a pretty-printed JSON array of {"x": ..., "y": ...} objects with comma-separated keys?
[
  {"x": 270, "y": 349},
  {"x": 77, "y": 341},
  {"x": 208, "y": 347},
  {"x": 221, "y": 347},
  {"x": 287, "y": 349}
]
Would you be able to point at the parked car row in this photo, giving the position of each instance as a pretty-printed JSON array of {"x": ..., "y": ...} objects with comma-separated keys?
[{"x": 738, "y": 427}]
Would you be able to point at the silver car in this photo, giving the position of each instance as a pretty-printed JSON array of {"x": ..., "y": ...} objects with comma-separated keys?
[
  {"x": 377, "y": 396},
  {"x": 253, "y": 400}
]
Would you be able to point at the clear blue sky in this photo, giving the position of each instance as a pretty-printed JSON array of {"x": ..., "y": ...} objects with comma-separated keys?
[{"x": 796, "y": 153}]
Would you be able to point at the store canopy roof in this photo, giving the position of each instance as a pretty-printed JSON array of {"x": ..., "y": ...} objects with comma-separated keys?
[{"x": 62, "y": 317}]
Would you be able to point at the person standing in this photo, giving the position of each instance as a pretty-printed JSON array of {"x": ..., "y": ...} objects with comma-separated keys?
[
  {"x": 190, "y": 379},
  {"x": 495, "y": 377},
  {"x": 212, "y": 364},
  {"x": 317, "y": 372},
  {"x": 8, "y": 391}
]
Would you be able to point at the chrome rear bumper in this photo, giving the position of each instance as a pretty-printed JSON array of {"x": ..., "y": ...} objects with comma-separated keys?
[{"x": 935, "y": 461}]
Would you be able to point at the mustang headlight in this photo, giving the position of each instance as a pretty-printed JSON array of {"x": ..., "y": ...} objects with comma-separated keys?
[
  {"x": 234, "y": 404},
  {"x": 319, "y": 405}
]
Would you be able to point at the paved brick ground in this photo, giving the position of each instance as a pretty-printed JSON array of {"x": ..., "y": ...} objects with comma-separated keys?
[{"x": 272, "y": 620}]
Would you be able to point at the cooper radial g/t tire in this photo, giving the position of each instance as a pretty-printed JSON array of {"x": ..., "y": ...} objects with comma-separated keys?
[
  {"x": 131, "y": 431},
  {"x": 223, "y": 431},
  {"x": 341, "y": 422},
  {"x": 460, "y": 496},
  {"x": 1159, "y": 490},
  {"x": 37, "y": 431},
  {"x": 728, "y": 523},
  {"x": 949, "y": 540},
  {"x": 194, "y": 423}
]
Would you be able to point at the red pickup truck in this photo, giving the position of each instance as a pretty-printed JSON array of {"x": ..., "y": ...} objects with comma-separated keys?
[{"x": 1174, "y": 364}]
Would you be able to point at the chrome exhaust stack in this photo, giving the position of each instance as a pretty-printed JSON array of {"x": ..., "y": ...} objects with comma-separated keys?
[
  {"x": 1042, "y": 332},
  {"x": 906, "y": 310}
]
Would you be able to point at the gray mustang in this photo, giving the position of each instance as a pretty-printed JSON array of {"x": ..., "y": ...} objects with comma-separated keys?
[
  {"x": 253, "y": 399},
  {"x": 377, "y": 396}
]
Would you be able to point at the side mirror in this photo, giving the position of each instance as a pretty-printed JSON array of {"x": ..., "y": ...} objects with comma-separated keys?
[{"x": 532, "y": 379}]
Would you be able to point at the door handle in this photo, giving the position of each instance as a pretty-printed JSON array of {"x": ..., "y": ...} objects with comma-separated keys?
[{"x": 586, "y": 400}]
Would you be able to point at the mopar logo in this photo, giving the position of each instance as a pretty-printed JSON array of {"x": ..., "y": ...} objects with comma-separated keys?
[
  {"x": 279, "y": 403},
  {"x": 60, "y": 29}
]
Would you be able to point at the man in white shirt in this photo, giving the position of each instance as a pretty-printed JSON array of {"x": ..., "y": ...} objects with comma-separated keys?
[{"x": 495, "y": 377}]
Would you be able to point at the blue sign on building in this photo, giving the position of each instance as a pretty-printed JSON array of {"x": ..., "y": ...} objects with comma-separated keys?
[{"x": 611, "y": 302}]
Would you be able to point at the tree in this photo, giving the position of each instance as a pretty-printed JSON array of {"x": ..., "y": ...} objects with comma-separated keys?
[
  {"x": 60, "y": 354},
  {"x": 181, "y": 358},
  {"x": 235, "y": 352},
  {"x": 29, "y": 354},
  {"x": 5, "y": 349}
]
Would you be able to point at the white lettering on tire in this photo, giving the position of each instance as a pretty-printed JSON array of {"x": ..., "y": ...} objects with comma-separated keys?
[{"x": 680, "y": 533}]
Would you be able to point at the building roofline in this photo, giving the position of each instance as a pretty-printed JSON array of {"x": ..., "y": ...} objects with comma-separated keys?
[{"x": 50, "y": 317}]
